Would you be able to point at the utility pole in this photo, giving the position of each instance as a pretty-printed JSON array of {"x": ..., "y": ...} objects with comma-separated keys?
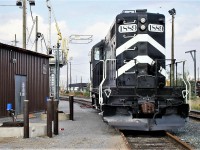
[
  {"x": 15, "y": 41},
  {"x": 49, "y": 7},
  {"x": 70, "y": 75},
  {"x": 172, "y": 12},
  {"x": 194, "y": 59},
  {"x": 24, "y": 24},
  {"x": 57, "y": 67},
  {"x": 67, "y": 77},
  {"x": 81, "y": 84},
  {"x": 23, "y": 4},
  {"x": 36, "y": 32}
]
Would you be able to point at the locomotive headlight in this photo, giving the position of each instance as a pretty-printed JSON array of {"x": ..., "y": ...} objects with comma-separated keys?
[
  {"x": 142, "y": 20},
  {"x": 143, "y": 27}
]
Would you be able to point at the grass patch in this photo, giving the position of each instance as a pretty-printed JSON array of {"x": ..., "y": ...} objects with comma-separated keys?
[
  {"x": 77, "y": 94},
  {"x": 195, "y": 104}
]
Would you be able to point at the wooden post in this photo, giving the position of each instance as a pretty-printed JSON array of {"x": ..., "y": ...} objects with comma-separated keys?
[
  {"x": 49, "y": 118},
  {"x": 26, "y": 119},
  {"x": 56, "y": 117},
  {"x": 71, "y": 103}
]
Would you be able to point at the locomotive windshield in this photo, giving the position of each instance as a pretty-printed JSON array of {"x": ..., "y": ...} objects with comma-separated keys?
[{"x": 97, "y": 53}]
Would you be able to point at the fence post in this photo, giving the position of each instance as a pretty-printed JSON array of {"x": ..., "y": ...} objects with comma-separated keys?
[
  {"x": 55, "y": 117},
  {"x": 26, "y": 119},
  {"x": 71, "y": 103},
  {"x": 49, "y": 118}
]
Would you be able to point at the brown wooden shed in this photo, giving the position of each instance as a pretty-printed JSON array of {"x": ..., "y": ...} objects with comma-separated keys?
[{"x": 24, "y": 74}]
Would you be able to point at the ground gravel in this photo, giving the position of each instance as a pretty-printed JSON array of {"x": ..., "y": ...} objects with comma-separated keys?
[
  {"x": 190, "y": 133},
  {"x": 87, "y": 131}
]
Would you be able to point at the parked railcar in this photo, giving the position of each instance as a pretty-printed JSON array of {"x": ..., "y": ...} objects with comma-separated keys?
[{"x": 128, "y": 76}]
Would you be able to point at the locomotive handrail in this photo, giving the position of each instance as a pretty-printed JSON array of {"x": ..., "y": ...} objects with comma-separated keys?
[
  {"x": 124, "y": 22},
  {"x": 186, "y": 92},
  {"x": 124, "y": 11},
  {"x": 100, "y": 86},
  {"x": 189, "y": 94},
  {"x": 104, "y": 78}
]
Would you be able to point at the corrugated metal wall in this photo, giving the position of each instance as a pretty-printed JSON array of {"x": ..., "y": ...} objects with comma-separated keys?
[{"x": 16, "y": 61}]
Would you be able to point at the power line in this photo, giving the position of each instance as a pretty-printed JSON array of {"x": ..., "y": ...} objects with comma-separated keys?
[
  {"x": 31, "y": 13},
  {"x": 7, "y": 5}
]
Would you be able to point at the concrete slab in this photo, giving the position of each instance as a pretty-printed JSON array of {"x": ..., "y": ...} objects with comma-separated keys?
[
  {"x": 35, "y": 130},
  {"x": 61, "y": 116}
]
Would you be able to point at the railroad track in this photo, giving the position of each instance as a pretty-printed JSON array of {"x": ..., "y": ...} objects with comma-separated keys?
[
  {"x": 194, "y": 115},
  {"x": 83, "y": 101},
  {"x": 153, "y": 141}
]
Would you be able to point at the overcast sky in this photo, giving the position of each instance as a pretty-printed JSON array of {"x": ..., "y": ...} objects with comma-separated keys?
[{"x": 95, "y": 17}]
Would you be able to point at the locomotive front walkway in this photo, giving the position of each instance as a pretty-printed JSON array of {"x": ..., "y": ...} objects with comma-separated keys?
[{"x": 87, "y": 131}]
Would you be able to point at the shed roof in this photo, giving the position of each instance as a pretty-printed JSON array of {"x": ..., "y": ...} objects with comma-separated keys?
[{"x": 18, "y": 49}]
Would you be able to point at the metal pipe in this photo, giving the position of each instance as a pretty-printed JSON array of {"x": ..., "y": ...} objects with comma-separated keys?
[
  {"x": 55, "y": 116},
  {"x": 57, "y": 76},
  {"x": 26, "y": 119},
  {"x": 194, "y": 59},
  {"x": 172, "y": 53},
  {"x": 49, "y": 118},
  {"x": 176, "y": 73},
  {"x": 173, "y": 13},
  {"x": 36, "y": 31},
  {"x": 70, "y": 76},
  {"x": 71, "y": 103},
  {"x": 195, "y": 78},
  {"x": 24, "y": 24},
  {"x": 170, "y": 75},
  {"x": 183, "y": 70},
  {"x": 52, "y": 108},
  {"x": 67, "y": 78}
]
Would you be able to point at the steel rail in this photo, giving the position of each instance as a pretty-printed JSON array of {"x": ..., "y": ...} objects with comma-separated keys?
[
  {"x": 195, "y": 114},
  {"x": 185, "y": 145}
]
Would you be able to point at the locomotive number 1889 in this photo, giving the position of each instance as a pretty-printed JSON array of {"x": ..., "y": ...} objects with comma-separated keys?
[{"x": 127, "y": 28}]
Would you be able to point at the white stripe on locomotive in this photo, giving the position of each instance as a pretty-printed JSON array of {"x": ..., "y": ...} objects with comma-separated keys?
[
  {"x": 132, "y": 63},
  {"x": 140, "y": 38}
]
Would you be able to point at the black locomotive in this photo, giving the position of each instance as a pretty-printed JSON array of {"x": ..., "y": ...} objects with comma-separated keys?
[{"x": 128, "y": 75}]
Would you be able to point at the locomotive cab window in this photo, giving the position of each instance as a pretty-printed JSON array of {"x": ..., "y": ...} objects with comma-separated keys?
[{"x": 97, "y": 53}]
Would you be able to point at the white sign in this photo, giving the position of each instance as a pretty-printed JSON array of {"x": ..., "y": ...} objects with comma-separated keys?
[
  {"x": 156, "y": 28},
  {"x": 127, "y": 28}
]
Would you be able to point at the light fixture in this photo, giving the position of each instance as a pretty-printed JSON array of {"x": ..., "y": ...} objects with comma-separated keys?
[
  {"x": 19, "y": 3},
  {"x": 39, "y": 34},
  {"x": 172, "y": 12},
  {"x": 142, "y": 20},
  {"x": 32, "y": 2},
  {"x": 143, "y": 27}
]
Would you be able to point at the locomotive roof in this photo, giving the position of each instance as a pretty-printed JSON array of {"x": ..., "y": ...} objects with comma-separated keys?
[
  {"x": 130, "y": 13},
  {"x": 98, "y": 44}
]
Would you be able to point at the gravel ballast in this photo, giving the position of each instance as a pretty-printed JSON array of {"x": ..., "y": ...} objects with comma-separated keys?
[{"x": 190, "y": 133}]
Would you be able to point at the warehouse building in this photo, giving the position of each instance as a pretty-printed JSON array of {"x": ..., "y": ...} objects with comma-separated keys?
[{"x": 24, "y": 75}]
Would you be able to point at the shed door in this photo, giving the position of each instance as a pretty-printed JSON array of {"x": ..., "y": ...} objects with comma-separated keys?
[{"x": 20, "y": 93}]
